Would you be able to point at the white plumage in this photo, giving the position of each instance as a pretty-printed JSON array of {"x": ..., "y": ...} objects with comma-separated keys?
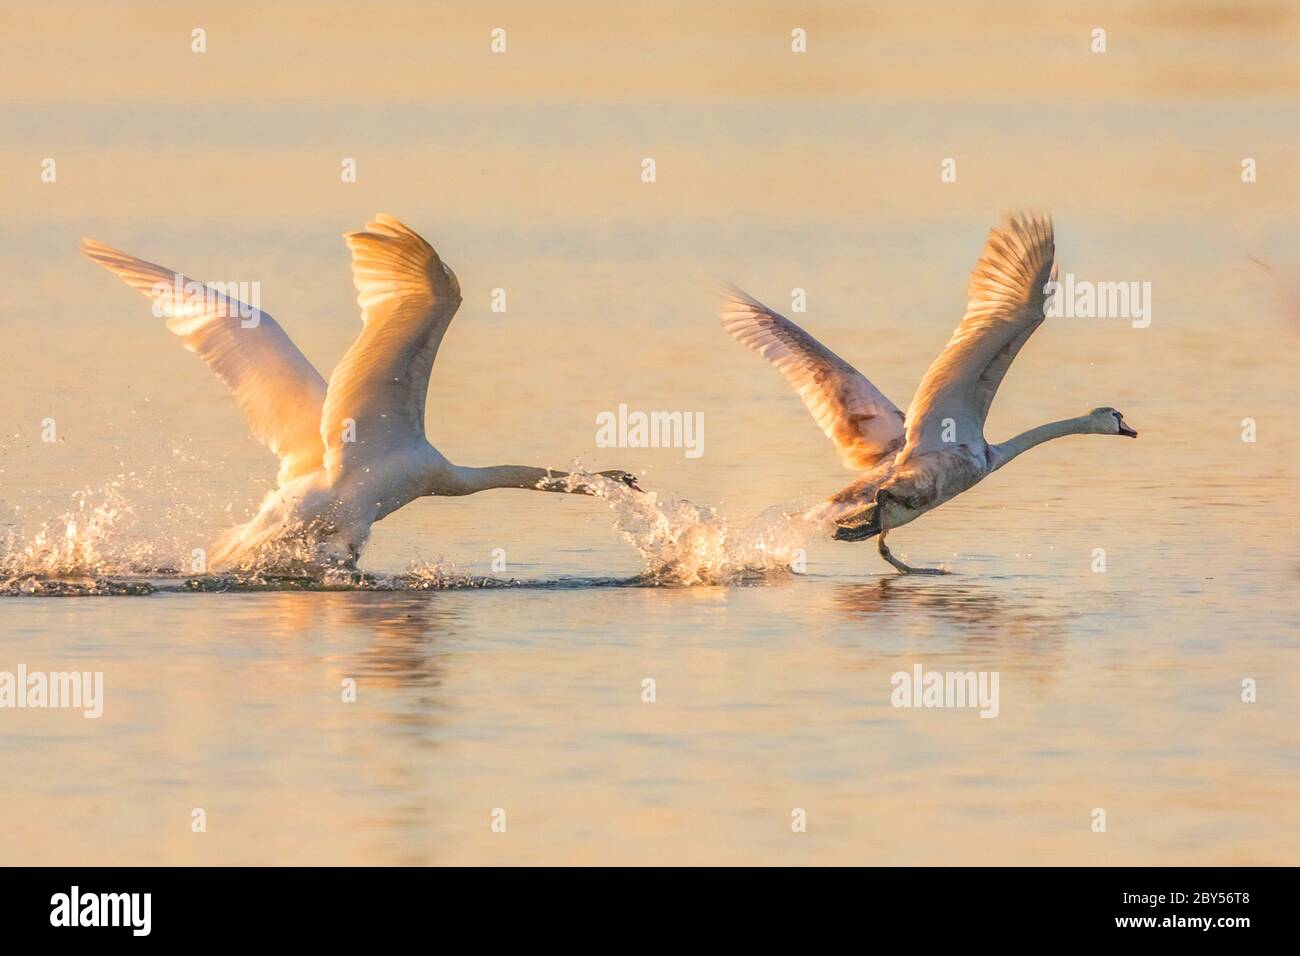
[
  {"x": 914, "y": 462},
  {"x": 351, "y": 452}
]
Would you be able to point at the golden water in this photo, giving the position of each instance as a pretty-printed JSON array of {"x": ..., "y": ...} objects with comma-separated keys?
[{"x": 1119, "y": 690}]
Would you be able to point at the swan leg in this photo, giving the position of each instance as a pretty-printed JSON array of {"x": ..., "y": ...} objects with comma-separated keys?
[
  {"x": 901, "y": 567},
  {"x": 888, "y": 555}
]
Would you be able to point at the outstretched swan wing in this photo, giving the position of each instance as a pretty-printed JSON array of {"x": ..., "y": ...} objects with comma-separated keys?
[
  {"x": 864, "y": 425},
  {"x": 277, "y": 389},
  {"x": 376, "y": 396},
  {"x": 1007, "y": 295}
]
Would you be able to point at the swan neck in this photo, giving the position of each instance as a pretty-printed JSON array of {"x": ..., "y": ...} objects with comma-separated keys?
[
  {"x": 1014, "y": 447},
  {"x": 470, "y": 480}
]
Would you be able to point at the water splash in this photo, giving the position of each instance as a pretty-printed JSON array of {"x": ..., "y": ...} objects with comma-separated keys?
[
  {"x": 97, "y": 548},
  {"x": 685, "y": 544},
  {"x": 87, "y": 540}
]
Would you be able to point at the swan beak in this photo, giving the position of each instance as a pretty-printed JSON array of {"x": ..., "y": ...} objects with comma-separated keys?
[{"x": 1126, "y": 430}]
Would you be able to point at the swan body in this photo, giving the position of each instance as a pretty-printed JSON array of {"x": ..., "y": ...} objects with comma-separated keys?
[
  {"x": 352, "y": 450},
  {"x": 913, "y": 462}
]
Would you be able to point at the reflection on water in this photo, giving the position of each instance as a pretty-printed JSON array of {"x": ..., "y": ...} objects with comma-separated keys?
[
  {"x": 975, "y": 612},
  {"x": 407, "y": 635},
  {"x": 530, "y": 700},
  {"x": 974, "y": 606}
]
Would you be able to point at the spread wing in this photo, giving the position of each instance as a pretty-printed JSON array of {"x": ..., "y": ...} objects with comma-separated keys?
[
  {"x": 1006, "y": 303},
  {"x": 407, "y": 298},
  {"x": 864, "y": 425},
  {"x": 276, "y": 388}
]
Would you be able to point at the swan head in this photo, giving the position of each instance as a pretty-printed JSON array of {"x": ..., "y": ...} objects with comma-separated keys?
[
  {"x": 1109, "y": 421},
  {"x": 624, "y": 477}
]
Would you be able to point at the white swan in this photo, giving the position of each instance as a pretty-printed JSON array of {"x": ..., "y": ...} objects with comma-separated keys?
[
  {"x": 915, "y": 462},
  {"x": 353, "y": 451}
]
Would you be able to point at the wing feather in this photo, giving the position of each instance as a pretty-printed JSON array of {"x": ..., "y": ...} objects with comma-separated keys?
[
  {"x": 407, "y": 297},
  {"x": 863, "y": 424},
  {"x": 1007, "y": 297},
  {"x": 276, "y": 388}
]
